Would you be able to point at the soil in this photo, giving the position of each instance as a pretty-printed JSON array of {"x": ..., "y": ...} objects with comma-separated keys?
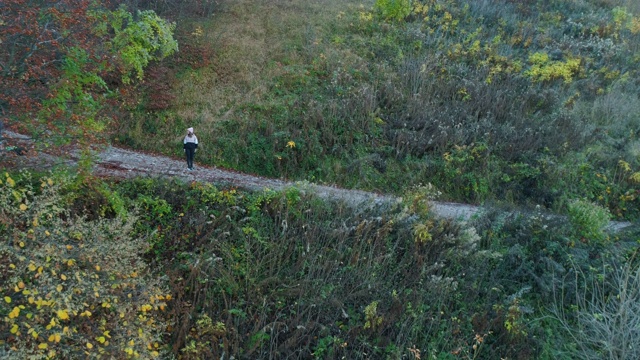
[{"x": 115, "y": 162}]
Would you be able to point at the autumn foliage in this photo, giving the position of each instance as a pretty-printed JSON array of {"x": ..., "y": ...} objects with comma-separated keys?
[
  {"x": 60, "y": 61},
  {"x": 73, "y": 287}
]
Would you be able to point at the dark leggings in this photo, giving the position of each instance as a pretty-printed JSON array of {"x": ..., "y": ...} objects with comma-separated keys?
[{"x": 190, "y": 153}]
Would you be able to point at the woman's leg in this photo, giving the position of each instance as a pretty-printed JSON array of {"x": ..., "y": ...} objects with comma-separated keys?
[{"x": 189, "y": 153}]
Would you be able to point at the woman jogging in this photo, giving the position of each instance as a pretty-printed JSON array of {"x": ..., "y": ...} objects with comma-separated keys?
[{"x": 190, "y": 144}]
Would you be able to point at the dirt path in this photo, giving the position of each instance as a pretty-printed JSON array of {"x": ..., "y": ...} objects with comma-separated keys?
[
  {"x": 122, "y": 163},
  {"x": 127, "y": 163}
]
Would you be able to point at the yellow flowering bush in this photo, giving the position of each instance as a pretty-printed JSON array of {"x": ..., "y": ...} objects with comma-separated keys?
[
  {"x": 544, "y": 69},
  {"x": 70, "y": 287}
]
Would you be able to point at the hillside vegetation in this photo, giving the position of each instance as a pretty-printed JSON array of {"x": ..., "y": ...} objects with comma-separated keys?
[
  {"x": 509, "y": 103},
  {"x": 532, "y": 102},
  {"x": 160, "y": 269}
]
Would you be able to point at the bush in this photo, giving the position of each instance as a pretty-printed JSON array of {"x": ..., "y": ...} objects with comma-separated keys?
[
  {"x": 395, "y": 10},
  {"x": 588, "y": 220},
  {"x": 73, "y": 287},
  {"x": 271, "y": 274}
]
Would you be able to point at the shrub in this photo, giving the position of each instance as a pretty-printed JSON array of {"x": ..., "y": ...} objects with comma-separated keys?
[
  {"x": 72, "y": 287},
  {"x": 271, "y": 274},
  {"x": 588, "y": 220},
  {"x": 543, "y": 69},
  {"x": 395, "y": 10}
]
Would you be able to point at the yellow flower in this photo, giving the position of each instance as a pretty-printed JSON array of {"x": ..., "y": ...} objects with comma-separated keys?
[
  {"x": 23, "y": 207},
  {"x": 291, "y": 144}
]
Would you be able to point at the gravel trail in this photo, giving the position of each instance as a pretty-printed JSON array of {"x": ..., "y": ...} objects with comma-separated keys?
[{"x": 122, "y": 163}]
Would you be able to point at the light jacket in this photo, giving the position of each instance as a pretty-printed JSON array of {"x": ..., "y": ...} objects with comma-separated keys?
[{"x": 190, "y": 142}]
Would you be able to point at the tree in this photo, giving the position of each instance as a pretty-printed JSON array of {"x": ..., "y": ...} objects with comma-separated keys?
[{"x": 56, "y": 55}]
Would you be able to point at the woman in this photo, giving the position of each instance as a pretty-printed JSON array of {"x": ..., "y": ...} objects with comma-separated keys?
[{"x": 190, "y": 144}]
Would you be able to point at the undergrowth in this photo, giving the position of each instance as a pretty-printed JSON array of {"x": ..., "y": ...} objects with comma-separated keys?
[{"x": 160, "y": 268}]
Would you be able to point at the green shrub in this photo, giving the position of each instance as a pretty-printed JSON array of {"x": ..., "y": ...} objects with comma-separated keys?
[
  {"x": 395, "y": 10},
  {"x": 588, "y": 220},
  {"x": 543, "y": 69}
]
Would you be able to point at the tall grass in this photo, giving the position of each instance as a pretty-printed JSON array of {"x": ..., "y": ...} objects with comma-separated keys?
[{"x": 285, "y": 275}]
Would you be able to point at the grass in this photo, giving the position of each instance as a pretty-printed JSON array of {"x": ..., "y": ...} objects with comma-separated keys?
[{"x": 248, "y": 38}]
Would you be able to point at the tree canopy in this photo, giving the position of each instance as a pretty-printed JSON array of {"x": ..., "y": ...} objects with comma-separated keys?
[{"x": 61, "y": 60}]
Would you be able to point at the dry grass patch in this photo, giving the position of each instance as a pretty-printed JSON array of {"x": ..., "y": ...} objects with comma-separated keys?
[{"x": 250, "y": 40}]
